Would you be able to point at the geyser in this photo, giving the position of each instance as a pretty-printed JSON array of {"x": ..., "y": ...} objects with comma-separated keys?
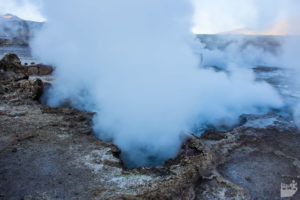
[{"x": 132, "y": 63}]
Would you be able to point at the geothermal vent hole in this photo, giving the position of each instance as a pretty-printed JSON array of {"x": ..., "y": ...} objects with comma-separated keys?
[{"x": 125, "y": 157}]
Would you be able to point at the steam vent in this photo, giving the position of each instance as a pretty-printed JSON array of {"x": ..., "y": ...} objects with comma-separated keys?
[{"x": 151, "y": 100}]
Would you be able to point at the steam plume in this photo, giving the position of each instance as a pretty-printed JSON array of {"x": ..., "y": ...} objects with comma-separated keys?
[{"x": 132, "y": 62}]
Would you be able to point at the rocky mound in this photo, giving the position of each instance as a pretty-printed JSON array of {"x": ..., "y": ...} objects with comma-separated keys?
[
  {"x": 52, "y": 153},
  {"x": 11, "y": 63}
]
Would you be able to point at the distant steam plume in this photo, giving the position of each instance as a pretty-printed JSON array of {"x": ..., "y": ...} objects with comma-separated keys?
[{"x": 254, "y": 17}]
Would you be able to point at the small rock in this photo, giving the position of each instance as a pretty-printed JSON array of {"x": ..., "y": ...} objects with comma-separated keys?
[
  {"x": 11, "y": 62},
  {"x": 37, "y": 89}
]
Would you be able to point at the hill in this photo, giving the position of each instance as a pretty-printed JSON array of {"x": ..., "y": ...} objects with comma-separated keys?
[{"x": 14, "y": 30}]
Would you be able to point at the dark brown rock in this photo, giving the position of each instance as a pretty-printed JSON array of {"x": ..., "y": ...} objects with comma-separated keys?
[
  {"x": 11, "y": 62},
  {"x": 37, "y": 89},
  {"x": 39, "y": 70}
]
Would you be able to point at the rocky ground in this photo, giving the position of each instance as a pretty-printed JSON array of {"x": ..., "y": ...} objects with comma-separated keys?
[{"x": 51, "y": 153}]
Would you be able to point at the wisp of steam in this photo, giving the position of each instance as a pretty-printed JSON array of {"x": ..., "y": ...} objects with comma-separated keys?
[{"x": 135, "y": 63}]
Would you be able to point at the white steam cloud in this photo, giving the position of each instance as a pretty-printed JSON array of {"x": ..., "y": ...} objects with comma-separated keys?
[{"x": 133, "y": 63}]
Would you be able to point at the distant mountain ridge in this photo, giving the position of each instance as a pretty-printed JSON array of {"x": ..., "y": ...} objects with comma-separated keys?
[
  {"x": 14, "y": 30},
  {"x": 285, "y": 26}
]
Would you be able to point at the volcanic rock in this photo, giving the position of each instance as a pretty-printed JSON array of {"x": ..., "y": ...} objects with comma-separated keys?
[
  {"x": 11, "y": 62},
  {"x": 39, "y": 70},
  {"x": 37, "y": 89}
]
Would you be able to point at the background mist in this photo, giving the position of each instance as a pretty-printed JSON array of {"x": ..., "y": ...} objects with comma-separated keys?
[
  {"x": 219, "y": 16},
  {"x": 137, "y": 65},
  {"x": 269, "y": 17}
]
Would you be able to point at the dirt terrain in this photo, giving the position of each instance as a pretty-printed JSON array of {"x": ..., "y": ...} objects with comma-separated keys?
[{"x": 52, "y": 153}]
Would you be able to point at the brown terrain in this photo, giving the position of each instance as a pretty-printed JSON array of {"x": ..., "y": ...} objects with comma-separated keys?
[{"x": 52, "y": 153}]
